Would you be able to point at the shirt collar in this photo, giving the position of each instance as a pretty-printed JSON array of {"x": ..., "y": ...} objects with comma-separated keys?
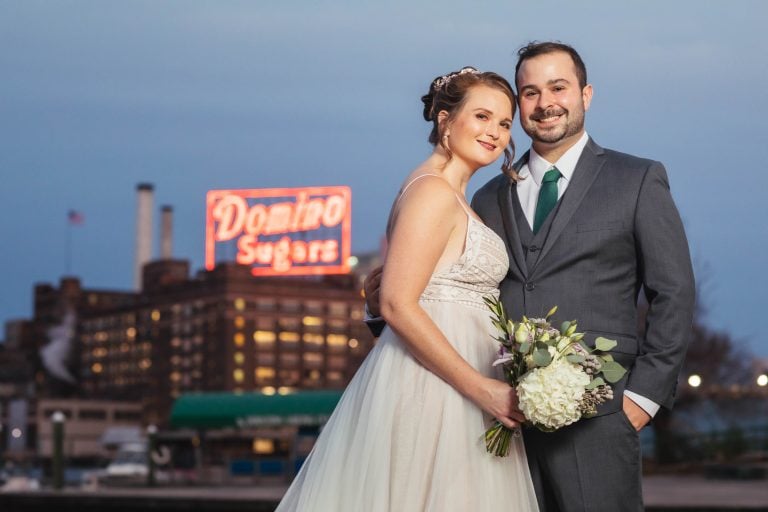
[{"x": 537, "y": 165}]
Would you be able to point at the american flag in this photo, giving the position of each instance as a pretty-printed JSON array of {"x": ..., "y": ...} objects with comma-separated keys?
[{"x": 75, "y": 218}]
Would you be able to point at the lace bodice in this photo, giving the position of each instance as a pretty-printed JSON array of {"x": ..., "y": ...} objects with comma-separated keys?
[{"x": 476, "y": 274}]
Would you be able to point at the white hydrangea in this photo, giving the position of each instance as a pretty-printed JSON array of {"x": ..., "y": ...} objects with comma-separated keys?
[{"x": 550, "y": 396}]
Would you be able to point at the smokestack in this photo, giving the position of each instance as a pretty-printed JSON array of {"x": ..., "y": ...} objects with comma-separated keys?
[
  {"x": 145, "y": 198},
  {"x": 166, "y": 232}
]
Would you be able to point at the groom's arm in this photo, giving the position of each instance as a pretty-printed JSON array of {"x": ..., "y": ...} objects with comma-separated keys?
[{"x": 667, "y": 274}]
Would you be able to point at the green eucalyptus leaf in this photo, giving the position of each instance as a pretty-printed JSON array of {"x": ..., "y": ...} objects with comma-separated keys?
[
  {"x": 575, "y": 358},
  {"x": 564, "y": 327},
  {"x": 524, "y": 348},
  {"x": 606, "y": 357},
  {"x": 613, "y": 371},
  {"x": 604, "y": 344},
  {"x": 597, "y": 381},
  {"x": 541, "y": 357}
]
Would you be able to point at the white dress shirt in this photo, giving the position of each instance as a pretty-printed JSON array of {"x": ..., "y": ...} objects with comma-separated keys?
[{"x": 528, "y": 193}]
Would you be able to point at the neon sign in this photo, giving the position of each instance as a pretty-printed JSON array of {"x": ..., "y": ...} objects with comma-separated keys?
[{"x": 280, "y": 231}]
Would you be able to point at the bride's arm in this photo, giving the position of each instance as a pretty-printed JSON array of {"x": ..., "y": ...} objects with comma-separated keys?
[{"x": 427, "y": 219}]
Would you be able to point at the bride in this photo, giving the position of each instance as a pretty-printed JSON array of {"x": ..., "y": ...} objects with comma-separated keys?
[{"x": 407, "y": 435}]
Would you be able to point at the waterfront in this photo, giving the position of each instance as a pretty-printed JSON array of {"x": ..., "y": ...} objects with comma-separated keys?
[{"x": 663, "y": 493}]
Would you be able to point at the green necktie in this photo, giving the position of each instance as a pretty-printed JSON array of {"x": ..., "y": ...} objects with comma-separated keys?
[{"x": 547, "y": 198}]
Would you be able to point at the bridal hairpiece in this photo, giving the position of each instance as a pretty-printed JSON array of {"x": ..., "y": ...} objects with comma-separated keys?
[{"x": 445, "y": 79}]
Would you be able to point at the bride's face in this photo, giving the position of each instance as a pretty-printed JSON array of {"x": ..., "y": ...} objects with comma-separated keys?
[{"x": 480, "y": 131}]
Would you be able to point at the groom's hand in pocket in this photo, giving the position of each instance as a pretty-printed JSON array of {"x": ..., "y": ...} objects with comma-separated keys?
[{"x": 636, "y": 414}]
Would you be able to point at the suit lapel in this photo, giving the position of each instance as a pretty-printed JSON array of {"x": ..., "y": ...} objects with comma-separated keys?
[
  {"x": 510, "y": 222},
  {"x": 589, "y": 166}
]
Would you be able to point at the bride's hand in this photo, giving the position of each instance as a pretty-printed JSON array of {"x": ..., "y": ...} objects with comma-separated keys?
[{"x": 499, "y": 399}]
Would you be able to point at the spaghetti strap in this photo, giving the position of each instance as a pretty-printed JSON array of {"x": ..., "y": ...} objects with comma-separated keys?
[
  {"x": 456, "y": 194},
  {"x": 405, "y": 187}
]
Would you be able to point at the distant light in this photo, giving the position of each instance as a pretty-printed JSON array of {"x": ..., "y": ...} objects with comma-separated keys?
[
  {"x": 694, "y": 381},
  {"x": 268, "y": 390},
  {"x": 16, "y": 433},
  {"x": 352, "y": 261},
  {"x": 762, "y": 380},
  {"x": 353, "y": 343},
  {"x": 284, "y": 390}
]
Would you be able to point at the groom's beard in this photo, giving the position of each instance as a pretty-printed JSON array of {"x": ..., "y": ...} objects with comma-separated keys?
[{"x": 572, "y": 125}]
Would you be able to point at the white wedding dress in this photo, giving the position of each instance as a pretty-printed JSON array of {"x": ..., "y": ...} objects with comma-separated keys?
[{"x": 401, "y": 439}]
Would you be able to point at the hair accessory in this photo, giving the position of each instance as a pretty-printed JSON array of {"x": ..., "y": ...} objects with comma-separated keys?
[{"x": 445, "y": 79}]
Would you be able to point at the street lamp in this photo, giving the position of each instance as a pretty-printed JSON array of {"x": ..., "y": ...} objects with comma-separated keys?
[
  {"x": 694, "y": 381},
  {"x": 57, "y": 418},
  {"x": 762, "y": 380}
]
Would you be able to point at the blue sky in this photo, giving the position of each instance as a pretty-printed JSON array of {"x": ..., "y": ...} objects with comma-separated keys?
[{"x": 97, "y": 96}]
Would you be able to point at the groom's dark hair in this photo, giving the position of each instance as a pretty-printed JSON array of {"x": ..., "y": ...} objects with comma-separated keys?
[{"x": 535, "y": 48}]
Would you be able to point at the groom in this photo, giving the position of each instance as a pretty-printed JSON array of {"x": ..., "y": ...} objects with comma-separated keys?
[{"x": 587, "y": 229}]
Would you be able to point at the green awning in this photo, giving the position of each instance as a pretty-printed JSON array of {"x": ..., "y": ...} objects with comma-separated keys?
[{"x": 220, "y": 410}]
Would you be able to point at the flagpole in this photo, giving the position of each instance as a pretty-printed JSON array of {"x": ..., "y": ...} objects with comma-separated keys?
[{"x": 68, "y": 255}]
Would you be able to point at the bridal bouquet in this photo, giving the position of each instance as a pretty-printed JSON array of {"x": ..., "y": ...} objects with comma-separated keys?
[{"x": 559, "y": 380}]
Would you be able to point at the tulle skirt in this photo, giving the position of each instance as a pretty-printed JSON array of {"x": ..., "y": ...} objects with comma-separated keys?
[{"x": 401, "y": 439}]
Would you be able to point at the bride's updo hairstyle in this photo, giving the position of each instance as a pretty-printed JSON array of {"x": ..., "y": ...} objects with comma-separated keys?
[{"x": 449, "y": 92}]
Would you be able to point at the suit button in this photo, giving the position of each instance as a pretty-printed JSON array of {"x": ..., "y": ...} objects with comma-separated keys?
[
  {"x": 533, "y": 248},
  {"x": 530, "y": 286}
]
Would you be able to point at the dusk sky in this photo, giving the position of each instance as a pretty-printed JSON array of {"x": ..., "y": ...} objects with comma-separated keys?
[{"x": 98, "y": 96}]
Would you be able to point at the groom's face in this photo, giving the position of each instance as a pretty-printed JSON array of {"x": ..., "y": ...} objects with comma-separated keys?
[{"x": 552, "y": 104}]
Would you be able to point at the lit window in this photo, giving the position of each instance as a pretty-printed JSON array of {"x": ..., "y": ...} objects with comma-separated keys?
[
  {"x": 336, "y": 340},
  {"x": 239, "y": 322},
  {"x": 239, "y": 304},
  {"x": 144, "y": 364},
  {"x": 312, "y": 358},
  {"x": 239, "y": 339},
  {"x": 238, "y": 375},
  {"x": 175, "y": 376},
  {"x": 97, "y": 368},
  {"x": 155, "y": 315},
  {"x": 239, "y": 358},
  {"x": 312, "y": 321},
  {"x": 264, "y": 336},
  {"x": 264, "y": 372},
  {"x": 290, "y": 337},
  {"x": 263, "y": 446},
  {"x": 130, "y": 333}
]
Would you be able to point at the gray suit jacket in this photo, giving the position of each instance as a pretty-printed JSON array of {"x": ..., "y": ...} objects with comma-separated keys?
[{"x": 616, "y": 231}]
